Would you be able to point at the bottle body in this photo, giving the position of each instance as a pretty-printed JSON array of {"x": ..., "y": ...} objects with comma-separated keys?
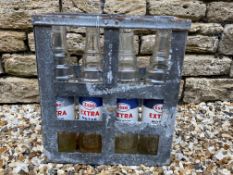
[
  {"x": 126, "y": 143},
  {"x": 127, "y": 112},
  {"x": 148, "y": 144},
  {"x": 65, "y": 111},
  {"x": 90, "y": 143},
  {"x": 159, "y": 65},
  {"x": 67, "y": 142},
  {"x": 156, "y": 73},
  {"x": 90, "y": 108},
  {"x": 127, "y": 109},
  {"x": 65, "y": 108},
  {"x": 64, "y": 105},
  {"x": 152, "y": 111}
]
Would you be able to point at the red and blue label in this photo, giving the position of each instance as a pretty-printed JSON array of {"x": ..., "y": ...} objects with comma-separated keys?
[
  {"x": 127, "y": 110},
  {"x": 152, "y": 111},
  {"x": 90, "y": 108},
  {"x": 65, "y": 108}
]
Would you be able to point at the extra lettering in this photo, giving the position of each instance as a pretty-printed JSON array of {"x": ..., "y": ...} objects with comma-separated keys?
[
  {"x": 123, "y": 115},
  {"x": 61, "y": 113},
  {"x": 90, "y": 113},
  {"x": 154, "y": 116}
]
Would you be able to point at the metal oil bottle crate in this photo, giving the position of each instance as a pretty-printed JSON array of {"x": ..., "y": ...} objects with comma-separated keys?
[{"x": 109, "y": 90}]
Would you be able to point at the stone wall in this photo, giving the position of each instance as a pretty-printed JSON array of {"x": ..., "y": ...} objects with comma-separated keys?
[{"x": 208, "y": 66}]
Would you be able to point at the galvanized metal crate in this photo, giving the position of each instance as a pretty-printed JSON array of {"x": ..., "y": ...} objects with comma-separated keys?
[{"x": 109, "y": 90}]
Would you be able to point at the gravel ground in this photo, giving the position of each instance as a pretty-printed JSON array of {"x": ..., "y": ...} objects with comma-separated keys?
[{"x": 202, "y": 144}]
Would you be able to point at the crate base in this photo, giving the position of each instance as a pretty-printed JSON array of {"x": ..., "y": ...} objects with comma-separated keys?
[{"x": 116, "y": 159}]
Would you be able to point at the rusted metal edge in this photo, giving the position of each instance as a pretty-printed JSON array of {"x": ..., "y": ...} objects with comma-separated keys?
[{"x": 112, "y": 21}]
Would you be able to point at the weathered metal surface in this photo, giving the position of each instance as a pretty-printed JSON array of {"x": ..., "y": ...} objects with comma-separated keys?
[
  {"x": 101, "y": 90},
  {"x": 109, "y": 90},
  {"x": 113, "y": 21},
  {"x": 110, "y": 56}
]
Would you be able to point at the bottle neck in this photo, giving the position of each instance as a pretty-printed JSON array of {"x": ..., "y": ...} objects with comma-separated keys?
[
  {"x": 92, "y": 41},
  {"x": 59, "y": 38},
  {"x": 127, "y": 64},
  {"x": 91, "y": 70},
  {"x": 63, "y": 71},
  {"x": 162, "y": 44},
  {"x": 59, "y": 42},
  {"x": 126, "y": 43}
]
